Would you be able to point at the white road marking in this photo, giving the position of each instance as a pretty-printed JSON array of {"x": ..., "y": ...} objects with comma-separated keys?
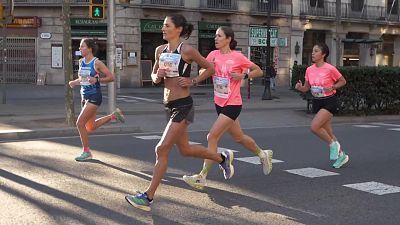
[
  {"x": 220, "y": 150},
  {"x": 311, "y": 172},
  {"x": 394, "y": 129},
  {"x": 256, "y": 160},
  {"x": 149, "y": 137},
  {"x": 365, "y": 126},
  {"x": 138, "y": 98},
  {"x": 386, "y": 124},
  {"x": 374, "y": 188}
]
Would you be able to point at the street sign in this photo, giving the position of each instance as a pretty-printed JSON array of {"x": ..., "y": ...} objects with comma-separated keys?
[{"x": 258, "y": 36}]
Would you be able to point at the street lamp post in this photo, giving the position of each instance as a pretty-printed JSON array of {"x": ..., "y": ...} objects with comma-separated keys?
[{"x": 267, "y": 81}]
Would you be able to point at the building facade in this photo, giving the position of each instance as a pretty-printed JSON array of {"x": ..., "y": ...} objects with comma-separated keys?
[{"x": 367, "y": 32}]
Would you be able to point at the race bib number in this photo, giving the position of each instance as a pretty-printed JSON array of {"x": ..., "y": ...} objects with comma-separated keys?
[
  {"x": 221, "y": 86},
  {"x": 84, "y": 74},
  {"x": 170, "y": 62},
  {"x": 318, "y": 91}
]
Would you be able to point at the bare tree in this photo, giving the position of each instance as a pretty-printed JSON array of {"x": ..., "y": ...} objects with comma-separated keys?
[{"x": 67, "y": 55}]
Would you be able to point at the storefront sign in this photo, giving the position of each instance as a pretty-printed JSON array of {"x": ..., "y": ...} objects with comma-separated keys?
[
  {"x": 207, "y": 30},
  {"x": 258, "y": 36},
  {"x": 211, "y": 26},
  {"x": 86, "y": 22},
  {"x": 151, "y": 26},
  {"x": 24, "y": 22}
]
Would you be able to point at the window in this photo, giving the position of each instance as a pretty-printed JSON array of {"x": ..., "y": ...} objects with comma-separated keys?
[
  {"x": 357, "y": 5},
  {"x": 317, "y": 3},
  {"x": 395, "y": 9}
]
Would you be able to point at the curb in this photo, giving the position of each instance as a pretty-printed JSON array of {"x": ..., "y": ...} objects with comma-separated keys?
[{"x": 15, "y": 135}]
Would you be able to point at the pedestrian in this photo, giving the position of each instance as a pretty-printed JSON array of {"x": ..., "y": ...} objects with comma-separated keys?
[
  {"x": 230, "y": 69},
  {"x": 173, "y": 66},
  {"x": 89, "y": 79},
  {"x": 323, "y": 80},
  {"x": 272, "y": 76}
]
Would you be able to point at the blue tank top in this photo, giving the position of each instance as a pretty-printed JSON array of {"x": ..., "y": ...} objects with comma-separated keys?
[
  {"x": 85, "y": 70},
  {"x": 174, "y": 63}
]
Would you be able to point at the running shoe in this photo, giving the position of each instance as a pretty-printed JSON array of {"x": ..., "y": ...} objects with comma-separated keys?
[
  {"x": 341, "y": 161},
  {"x": 120, "y": 116},
  {"x": 266, "y": 161},
  {"x": 139, "y": 200},
  {"x": 196, "y": 181},
  {"x": 334, "y": 149},
  {"x": 84, "y": 156},
  {"x": 226, "y": 166}
]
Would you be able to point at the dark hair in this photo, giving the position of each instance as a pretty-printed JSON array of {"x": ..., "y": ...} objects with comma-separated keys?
[
  {"x": 324, "y": 49},
  {"x": 90, "y": 43},
  {"x": 228, "y": 31},
  {"x": 180, "y": 21}
]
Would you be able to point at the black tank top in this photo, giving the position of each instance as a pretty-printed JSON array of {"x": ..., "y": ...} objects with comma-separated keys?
[{"x": 174, "y": 63}]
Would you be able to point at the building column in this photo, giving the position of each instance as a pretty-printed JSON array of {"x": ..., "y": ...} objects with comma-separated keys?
[
  {"x": 396, "y": 56},
  {"x": 330, "y": 40}
]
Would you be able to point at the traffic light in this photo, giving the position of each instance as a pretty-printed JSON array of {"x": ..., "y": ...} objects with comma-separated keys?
[
  {"x": 97, "y": 9},
  {"x": 6, "y": 12},
  {"x": 1, "y": 12}
]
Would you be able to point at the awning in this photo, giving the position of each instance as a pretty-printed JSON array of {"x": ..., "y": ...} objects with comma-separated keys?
[{"x": 361, "y": 41}]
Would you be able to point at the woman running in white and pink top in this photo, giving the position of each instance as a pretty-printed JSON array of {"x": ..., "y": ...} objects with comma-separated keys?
[
  {"x": 230, "y": 69},
  {"x": 323, "y": 80}
]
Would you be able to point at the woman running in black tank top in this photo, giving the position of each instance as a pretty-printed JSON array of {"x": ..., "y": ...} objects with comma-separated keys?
[{"x": 170, "y": 67}]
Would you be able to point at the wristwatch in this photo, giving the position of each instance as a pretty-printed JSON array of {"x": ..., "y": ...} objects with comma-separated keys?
[
  {"x": 194, "y": 82},
  {"x": 98, "y": 79},
  {"x": 246, "y": 76}
]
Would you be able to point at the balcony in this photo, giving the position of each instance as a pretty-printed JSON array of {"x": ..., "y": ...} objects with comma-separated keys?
[
  {"x": 278, "y": 7},
  {"x": 163, "y": 3},
  {"x": 230, "y": 5},
  {"x": 48, "y": 2},
  {"x": 366, "y": 13},
  {"x": 327, "y": 10}
]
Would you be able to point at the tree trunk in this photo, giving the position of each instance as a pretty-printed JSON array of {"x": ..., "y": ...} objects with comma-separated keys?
[{"x": 67, "y": 55}]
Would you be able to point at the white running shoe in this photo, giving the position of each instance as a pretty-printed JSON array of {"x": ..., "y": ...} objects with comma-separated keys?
[
  {"x": 266, "y": 161},
  {"x": 196, "y": 181}
]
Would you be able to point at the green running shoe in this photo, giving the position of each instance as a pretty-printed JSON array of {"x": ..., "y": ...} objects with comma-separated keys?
[
  {"x": 334, "y": 149},
  {"x": 120, "y": 116},
  {"x": 341, "y": 161},
  {"x": 139, "y": 200},
  {"x": 196, "y": 181},
  {"x": 84, "y": 156}
]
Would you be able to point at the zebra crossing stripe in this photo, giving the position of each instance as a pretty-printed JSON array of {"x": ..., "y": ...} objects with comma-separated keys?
[
  {"x": 386, "y": 124},
  {"x": 256, "y": 160},
  {"x": 220, "y": 150},
  {"x": 374, "y": 188},
  {"x": 395, "y": 129},
  {"x": 365, "y": 126},
  {"x": 311, "y": 172},
  {"x": 149, "y": 137}
]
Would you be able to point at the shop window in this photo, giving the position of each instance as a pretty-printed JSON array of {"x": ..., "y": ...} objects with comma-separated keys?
[
  {"x": 357, "y": 5},
  {"x": 393, "y": 7},
  {"x": 317, "y": 3}
]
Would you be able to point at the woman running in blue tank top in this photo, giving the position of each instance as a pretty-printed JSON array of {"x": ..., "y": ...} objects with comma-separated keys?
[{"x": 89, "y": 79}]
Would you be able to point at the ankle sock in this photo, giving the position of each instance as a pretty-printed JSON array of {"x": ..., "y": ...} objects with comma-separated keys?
[
  {"x": 86, "y": 149},
  {"x": 113, "y": 117},
  {"x": 205, "y": 170}
]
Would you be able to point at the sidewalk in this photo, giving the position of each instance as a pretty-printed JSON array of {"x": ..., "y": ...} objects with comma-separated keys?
[{"x": 39, "y": 111}]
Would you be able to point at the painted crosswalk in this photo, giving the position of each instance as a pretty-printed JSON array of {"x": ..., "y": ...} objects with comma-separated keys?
[
  {"x": 255, "y": 160},
  {"x": 371, "y": 187},
  {"x": 374, "y": 188},
  {"x": 311, "y": 172}
]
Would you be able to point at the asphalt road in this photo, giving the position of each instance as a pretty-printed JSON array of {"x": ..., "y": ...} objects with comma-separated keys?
[{"x": 40, "y": 183}]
